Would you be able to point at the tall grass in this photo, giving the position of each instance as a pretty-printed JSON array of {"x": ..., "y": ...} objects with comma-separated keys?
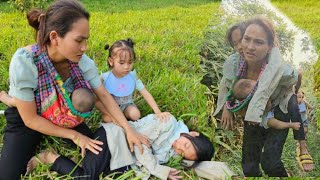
[{"x": 167, "y": 35}]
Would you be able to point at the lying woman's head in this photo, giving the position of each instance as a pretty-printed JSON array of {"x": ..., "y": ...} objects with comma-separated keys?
[
  {"x": 194, "y": 146},
  {"x": 258, "y": 39}
]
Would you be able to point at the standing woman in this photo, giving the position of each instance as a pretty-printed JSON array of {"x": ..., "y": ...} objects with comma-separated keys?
[
  {"x": 257, "y": 43},
  {"x": 48, "y": 72}
]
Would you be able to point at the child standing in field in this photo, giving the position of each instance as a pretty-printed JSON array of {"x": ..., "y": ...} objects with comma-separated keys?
[
  {"x": 121, "y": 82},
  {"x": 303, "y": 105}
]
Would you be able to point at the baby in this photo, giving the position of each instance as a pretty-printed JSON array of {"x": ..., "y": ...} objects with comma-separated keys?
[
  {"x": 242, "y": 89},
  {"x": 82, "y": 99}
]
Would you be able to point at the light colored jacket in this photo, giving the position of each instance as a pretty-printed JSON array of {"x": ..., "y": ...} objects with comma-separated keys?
[
  {"x": 276, "y": 83},
  {"x": 161, "y": 136}
]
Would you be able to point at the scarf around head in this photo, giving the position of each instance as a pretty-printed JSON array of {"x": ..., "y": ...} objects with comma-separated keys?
[{"x": 52, "y": 100}]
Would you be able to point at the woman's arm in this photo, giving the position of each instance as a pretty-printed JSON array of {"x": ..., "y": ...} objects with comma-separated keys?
[
  {"x": 149, "y": 161},
  {"x": 32, "y": 120},
  {"x": 118, "y": 117},
  {"x": 227, "y": 119}
]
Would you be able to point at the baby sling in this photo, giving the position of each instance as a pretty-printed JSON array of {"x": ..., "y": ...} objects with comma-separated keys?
[
  {"x": 232, "y": 104},
  {"x": 52, "y": 100}
]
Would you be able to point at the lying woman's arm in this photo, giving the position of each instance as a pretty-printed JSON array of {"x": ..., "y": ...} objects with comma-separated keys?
[
  {"x": 28, "y": 113},
  {"x": 118, "y": 117},
  {"x": 148, "y": 160}
]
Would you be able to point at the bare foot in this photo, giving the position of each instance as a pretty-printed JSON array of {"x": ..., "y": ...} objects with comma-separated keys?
[{"x": 45, "y": 157}]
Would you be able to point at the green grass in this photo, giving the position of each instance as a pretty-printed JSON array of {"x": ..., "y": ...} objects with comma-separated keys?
[
  {"x": 167, "y": 34},
  {"x": 305, "y": 15}
]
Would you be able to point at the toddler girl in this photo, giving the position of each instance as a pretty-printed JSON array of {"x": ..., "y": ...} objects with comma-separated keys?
[{"x": 121, "y": 82}]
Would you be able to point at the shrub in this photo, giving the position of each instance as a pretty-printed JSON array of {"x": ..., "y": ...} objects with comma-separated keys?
[{"x": 26, "y": 5}]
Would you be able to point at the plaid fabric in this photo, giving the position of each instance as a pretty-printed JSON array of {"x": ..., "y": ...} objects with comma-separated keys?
[
  {"x": 233, "y": 104},
  {"x": 52, "y": 100}
]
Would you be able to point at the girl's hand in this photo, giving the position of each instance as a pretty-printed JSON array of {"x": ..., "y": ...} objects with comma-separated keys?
[
  {"x": 138, "y": 139},
  {"x": 163, "y": 116},
  {"x": 85, "y": 142},
  {"x": 227, "y": 119},
  {"x": 173, "y": 174}
]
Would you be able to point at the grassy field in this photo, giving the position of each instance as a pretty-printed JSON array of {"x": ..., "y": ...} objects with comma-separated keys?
[{"x": 168, "y": 36}]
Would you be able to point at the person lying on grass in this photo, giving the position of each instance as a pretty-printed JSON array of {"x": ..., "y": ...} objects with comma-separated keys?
[
  {"x": 242, "y": 89},
  {"x": 167, "y": 138}
]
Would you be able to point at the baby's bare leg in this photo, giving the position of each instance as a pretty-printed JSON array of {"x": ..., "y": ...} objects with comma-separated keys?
[
  {"x": 6, "y": 99},
  {"x": 132, "y": 113}
]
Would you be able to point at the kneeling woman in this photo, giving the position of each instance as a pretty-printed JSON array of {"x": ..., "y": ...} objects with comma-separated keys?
[{"x": 167, "y": 139}]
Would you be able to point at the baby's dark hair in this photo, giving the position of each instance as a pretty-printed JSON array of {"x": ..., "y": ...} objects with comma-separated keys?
[
  {"x": 83, "y": 99},
  {"x": 241, "y": 26},
  {"x": 203, "y": 146},
  {"x": 124, "y": 45},
  {"x": 242, "y": 88}
]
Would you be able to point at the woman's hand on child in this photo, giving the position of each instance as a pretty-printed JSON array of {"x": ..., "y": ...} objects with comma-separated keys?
[
  {"x": 137, "y": 139},
  {"x": 85, "y": 142},
  {"x": 174, "y": 174},
  {"x": 163, "y": 116},
  {"x": 227, "y": 119}
]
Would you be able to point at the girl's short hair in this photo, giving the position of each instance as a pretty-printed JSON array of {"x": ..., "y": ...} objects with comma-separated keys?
[
  {"x": 59, "y": 17},
  {"x": 203, "y": 146},
  {"x": 126, "y": 45},
  {"x": 240, "y": 26}
]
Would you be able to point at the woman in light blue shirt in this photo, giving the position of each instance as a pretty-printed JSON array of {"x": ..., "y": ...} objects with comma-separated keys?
[{"x": 59, "y": 59}]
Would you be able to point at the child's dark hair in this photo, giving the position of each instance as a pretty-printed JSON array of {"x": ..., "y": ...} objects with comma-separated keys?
[
  {"x": 203, "y": 146},
  {"x": 241, "y": 26},
  {"x": 83, "y": 99},
  {"x": 126, "y": 45},
  {"x": 242, "y": 88}
]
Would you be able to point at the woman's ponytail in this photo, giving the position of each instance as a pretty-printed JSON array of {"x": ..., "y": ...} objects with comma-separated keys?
[{"x": 36, "y": 19}]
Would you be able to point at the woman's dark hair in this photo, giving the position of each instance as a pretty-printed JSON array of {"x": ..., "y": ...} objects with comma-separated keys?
[
  {"x": 241, "y": 26},
  {"x": 59, "y": 17},
  {"x": 267, "y": 26},
  {"x": 121, "y": 45},
  {"x": 203, "y": 146}
]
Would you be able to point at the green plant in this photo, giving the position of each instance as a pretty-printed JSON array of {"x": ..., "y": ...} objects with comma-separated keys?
[{"x": 25, "y": 5}]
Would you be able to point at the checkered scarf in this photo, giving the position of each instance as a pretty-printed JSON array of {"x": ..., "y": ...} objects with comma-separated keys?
[
  {"x": 232, "y": 104},
  {"x": 50, "y": 89}
]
